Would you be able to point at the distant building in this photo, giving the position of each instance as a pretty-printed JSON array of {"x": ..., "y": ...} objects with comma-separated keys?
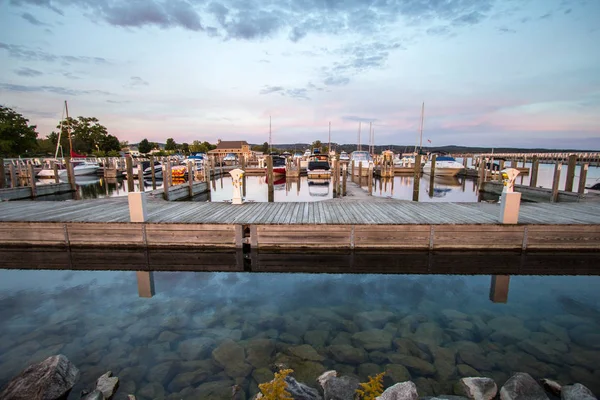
[{"x": 238, "y": 147}]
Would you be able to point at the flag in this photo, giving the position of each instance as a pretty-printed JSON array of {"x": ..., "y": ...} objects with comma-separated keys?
[
  {"x": 76, "y": 155},
  {"x": 429, "y": 140}
]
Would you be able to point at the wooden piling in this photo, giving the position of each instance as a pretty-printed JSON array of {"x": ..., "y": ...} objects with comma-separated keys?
[
  {"x": 344, "y": 178},
  {"x": 465, "y": 160},
  {"x": 2, "y": 174},
  {"x": 352, "y": 171},
  {"x": 571, "y": 172},
  {"x": 244, "y": 177},
  {"x": 190, "y": 168},
  {"x": 56, "y": 175},
  {"x": 271, "y": 192},
  {"x": 417, "y": 178},
  {"x": 166, "y": 178},
  {"x": 13, "y": 175},
  {"x": 31, "y": 180},
  {"x": 333, "y": 182},
  {"x": 499, "y": 288},
  {"x": 555, "y": 181},
  {"x": 153, "y": 173},
  {"x": 360, "y": 174},
  {"x": 370, "y": 179},
  {"x": 141, "y": 176},
  {"x": 582, "y": 177},
  {"x": 535, "y": 164},
  {"x": 129, "y": 166},
  {"x": 70, "y": 174}
]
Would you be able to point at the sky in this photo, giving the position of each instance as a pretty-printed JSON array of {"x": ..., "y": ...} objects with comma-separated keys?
[{"x": 497, "y": 73}]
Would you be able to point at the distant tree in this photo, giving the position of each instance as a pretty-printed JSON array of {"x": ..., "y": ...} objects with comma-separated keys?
[
  {"x": 185, "y": 148},
  {"x": 124, "y": 143},
  {"x": 87, "y": 135},
  {"x": 46, "y": 147},
  {"x": 170, "y": 145},
  {"x": 198, "y": 147},
  {"x": 144, "y": 146},
  {"x": 153, "y": 146},
  {"x": 265, "y": 148},
  {"x": 16, "y": 135}
]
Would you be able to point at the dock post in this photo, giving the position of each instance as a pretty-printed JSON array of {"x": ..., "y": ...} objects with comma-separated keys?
[
  {"x": 465, "y": 161},
  {"x": 13, "y": 175},
  {"x": 141, "y": 176},
  {"x": 555, "y": 181},
  {"x": 31, "y": 180},
  {"x": 271, "y": 193},
  {"x": 344, "y": 178},
  {"x": 499, "y": 288},
  {"x": 244, "y": 177},
  {"x": 352, "y": 171},
  {"x": 137, "y": 206},
  {"x": 370, "y": 180},
  {"x": 70, "y": 174},
  {"x": 500, "y": 168},
  {"x": 190, "y": 168},
  {"x": 214, "y": 173},
  {"x": 360, "y": 174},
  {"x": 236, "y": 177},
  {"x": 417, "y": 178},
  {"x": 2, "y": 176},
  {"x": 535, "y": 164},
  {"x": 333, "y": 183},
  {"x": 129, "y": 164},
  {"x": 571, "y": 172},
  {"x": 166, "y": 178},
  {"x": 153, "y": 173},
  {"x": 55, "y": 169},
  {"x": 582, "y": 177},
  {"x": 145, "y": 281}
]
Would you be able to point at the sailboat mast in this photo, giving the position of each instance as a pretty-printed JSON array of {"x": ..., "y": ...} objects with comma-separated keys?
[
  {"x": 69, "y": 130},
  {"x": 421, "y": 135},
  {"x": 60, "y": 127},
  {"x": 358, "y": 147},
  {"x": 329, "y": 147},
  {"x": 270, "y": 146}
]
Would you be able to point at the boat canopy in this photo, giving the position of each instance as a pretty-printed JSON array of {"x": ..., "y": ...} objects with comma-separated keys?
[
  {"x": 444, "y": 158},
  {"x": 361, "y": 156}
]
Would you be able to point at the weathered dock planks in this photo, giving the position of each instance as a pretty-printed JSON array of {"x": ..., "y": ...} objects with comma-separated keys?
[{"x": 335, "y": 225}]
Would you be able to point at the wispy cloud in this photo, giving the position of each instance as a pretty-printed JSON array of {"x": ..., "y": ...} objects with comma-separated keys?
[
  {"x": 28, "y": 54},
  {"x": 24, "y": 71},
  {"x": 297, "y": 93},
  {"x": 136, "y": 81},
  {"x": 32, "y": 20},
  {"x": 50, "y": 89}
]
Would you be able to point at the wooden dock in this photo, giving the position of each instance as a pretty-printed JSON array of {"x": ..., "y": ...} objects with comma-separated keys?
[{"x": 335, "y": 225}]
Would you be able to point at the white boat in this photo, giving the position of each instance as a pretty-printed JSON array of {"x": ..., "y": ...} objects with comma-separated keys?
[
  {"x": 444, "y": 166},
  {"x": 47, "y": 171},
  {"x": 344, "y": 156},
  {"x": 81, "y": 168},
  {"x": 158, "y": 169},
  {"x": 361, "y": 158},
  {"x": 318, "y": 166},
  {"x": 594, "y": 188}
]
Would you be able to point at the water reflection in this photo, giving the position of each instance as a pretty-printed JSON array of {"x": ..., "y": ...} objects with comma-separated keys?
[{"x": 165, "y": 346}]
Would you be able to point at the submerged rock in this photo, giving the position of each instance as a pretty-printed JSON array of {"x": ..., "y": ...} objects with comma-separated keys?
[
  {"x": 400, "y": 391},
  {"x": 47, "y": 380},
  {"x": 195, "y": 349},
  {"x": 478, "y": 388},
  {"x": 306, "y": 352},
  {"x": 551, "y": 386},
  {"x": 347, "y": 354},
  {"x": 373, "y": 339},
  {"x": 107, "y": 384},
  {"x": 95, "y": 395},
  {"x": 522, "y": 386},
  {"x": 576, "y": 392},
  {"x": 300, "y": 391},
  {"x": 414, "y": 364},
  {"x": 373, "y": 319},
  {"x": 340, "y": 388}
]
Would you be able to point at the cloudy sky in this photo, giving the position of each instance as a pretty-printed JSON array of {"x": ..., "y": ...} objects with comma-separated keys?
[{"x": 491, "y": 72}]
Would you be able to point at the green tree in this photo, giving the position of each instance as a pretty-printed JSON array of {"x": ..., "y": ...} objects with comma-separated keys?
[
  {"x": 87, "y": 135},
  {"x": 185, "y": 148},
  {"x": 198, "y": 147},
  {"x": 170, "y": 145},
  {"x": 46, "y": 147},
  {"x": 16, "y": 135},
  {"x": 144, "y": 146},
  {"x": 265, "y": 148}
]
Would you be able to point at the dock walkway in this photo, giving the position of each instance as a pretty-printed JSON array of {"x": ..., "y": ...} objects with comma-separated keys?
[{"x": 336, "y": 225}]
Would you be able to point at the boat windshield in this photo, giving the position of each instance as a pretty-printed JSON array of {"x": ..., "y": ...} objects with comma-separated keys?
[
  {"x": 445, "y": 158},
  {"x": 361, "y": 156}
]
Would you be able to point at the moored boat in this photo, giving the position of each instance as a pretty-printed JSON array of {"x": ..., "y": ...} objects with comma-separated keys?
[
  {"x": 318, "y": 166},
  {"x": 444, "y": 166},
  {"x": 361, "y": 160},
  {"x": 278, "y": 164}
]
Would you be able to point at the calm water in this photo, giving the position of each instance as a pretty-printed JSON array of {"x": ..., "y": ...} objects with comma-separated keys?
[
  {"x": 203, "y": 332},
  {"x": 445, "y": 189}
]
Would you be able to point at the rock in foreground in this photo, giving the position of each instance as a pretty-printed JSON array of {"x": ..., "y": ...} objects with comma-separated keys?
[
  {"x": 48, "y": 380},
  {"x": 400, "y": 391},
  {"x": 522, "y": 386}
]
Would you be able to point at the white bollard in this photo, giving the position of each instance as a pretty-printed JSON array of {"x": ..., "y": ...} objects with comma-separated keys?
[
  {"x": 137, "y": 206},
  {"x": 237, "y": 176},
  {"x": 510, "y": 201}
]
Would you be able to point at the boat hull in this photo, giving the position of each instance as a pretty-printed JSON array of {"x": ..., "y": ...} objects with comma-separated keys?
[
  {"x": 77, "y": 171},
  {"x": 278, "y": 170},
  {"x": 442, "y": 171},
  {"x": 318, "y": 174}
]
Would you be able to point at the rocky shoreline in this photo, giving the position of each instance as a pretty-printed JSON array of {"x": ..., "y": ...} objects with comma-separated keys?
[{"x": 55, "y": 377}]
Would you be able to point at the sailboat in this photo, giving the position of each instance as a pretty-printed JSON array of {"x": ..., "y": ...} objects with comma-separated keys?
[
  {"x": 80, "y": 167},
  {"x": 361, "y": 158},
  {"x": 445, "y": 165}
]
